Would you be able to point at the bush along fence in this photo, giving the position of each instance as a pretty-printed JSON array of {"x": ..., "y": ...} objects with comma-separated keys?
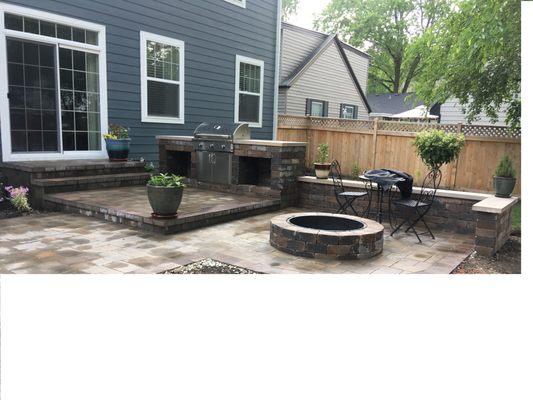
[{"x": 389, "y": 144}]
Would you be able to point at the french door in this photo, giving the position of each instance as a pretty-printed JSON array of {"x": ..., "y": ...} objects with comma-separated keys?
[
  {"x": 53, "y": 98},
  {"x": 53, "y": 89}
]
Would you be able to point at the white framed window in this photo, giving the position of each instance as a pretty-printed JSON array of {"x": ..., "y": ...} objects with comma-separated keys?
[
  {"x": 53, "y": 73},
  {"x": 249, "y": 74},
  {"x": 162, "y": 79},
  {"x": 240, "y": 3}
]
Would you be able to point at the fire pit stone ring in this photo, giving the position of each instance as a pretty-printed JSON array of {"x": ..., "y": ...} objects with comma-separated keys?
[{"x": 326, "y": 235}]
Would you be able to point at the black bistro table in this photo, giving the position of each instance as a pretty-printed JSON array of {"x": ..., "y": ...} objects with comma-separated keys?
[{"x": 385, "y": 180}]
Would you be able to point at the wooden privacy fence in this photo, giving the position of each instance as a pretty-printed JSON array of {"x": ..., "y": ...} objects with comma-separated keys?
[{"x": 389, "y": 144}]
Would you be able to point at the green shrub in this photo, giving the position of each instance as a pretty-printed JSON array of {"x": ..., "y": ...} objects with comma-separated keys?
[
  {"x": 117, "y": 132},
  {"x": 322, "y": 153},
  {"x": 356, "y": 171},
  {"x": 166, "y": 180},
  {"x": 505, "y": 168},
  {"x": 437, "y": 148}
]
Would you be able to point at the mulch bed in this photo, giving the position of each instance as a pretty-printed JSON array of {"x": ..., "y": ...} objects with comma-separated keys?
[
  {"x": 506, "y": 261},
  {"x": 210, "y": 266}
]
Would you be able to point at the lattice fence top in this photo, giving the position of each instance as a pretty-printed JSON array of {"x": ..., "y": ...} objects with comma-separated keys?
[{"x": 294, "y": 121}]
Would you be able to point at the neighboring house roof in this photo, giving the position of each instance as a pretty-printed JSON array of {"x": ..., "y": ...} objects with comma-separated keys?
[
  {"x": 315, "y": 54},
  {"x": 390, "y": 103}
]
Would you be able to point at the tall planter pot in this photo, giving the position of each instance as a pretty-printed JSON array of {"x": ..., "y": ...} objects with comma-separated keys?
[
  {"x": 164, "y": 201},
  {"x": 118, "y": 149},
  {"x": 503, "y": 186}
]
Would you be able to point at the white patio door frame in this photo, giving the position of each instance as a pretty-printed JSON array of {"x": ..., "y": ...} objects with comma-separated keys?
[{"x": 100, "y": 49}]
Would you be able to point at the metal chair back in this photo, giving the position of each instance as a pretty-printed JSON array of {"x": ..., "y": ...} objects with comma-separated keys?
[
  {"x": 336, "y": 175},
  {"x": 429, "y": 188}
]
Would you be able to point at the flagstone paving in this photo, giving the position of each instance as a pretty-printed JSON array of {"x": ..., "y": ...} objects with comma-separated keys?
[{"x": 66, "y": 243}]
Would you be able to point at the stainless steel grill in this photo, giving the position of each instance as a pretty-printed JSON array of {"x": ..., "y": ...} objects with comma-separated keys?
[{"x": 214, "y": 148}]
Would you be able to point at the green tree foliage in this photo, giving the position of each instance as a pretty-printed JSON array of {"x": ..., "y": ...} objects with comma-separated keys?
[
  {"x": 474, "y": 55},
  {"x": 505, "y": 168},
  {"x": 391, "y": 32},
  {"x": 288, "y": 8},
  {"x": 437, "y": 148}
]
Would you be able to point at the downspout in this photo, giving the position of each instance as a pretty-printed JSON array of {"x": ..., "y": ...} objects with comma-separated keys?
[{"x": 276, "y": 73}]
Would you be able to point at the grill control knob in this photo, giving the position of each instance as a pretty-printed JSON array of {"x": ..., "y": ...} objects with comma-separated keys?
[
  {"x": 211, "y": 146},
  {"x": 223, "y": 146}
]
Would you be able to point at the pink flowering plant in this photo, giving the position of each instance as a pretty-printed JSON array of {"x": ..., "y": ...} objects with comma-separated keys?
[{"x": 18, "y": 196}]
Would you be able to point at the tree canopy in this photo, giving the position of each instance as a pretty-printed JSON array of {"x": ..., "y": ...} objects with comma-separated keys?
[
  {"x": 474, "y": 55},
  {"x": 288, "y": 8},
  {"x": 390, "y": 30}
]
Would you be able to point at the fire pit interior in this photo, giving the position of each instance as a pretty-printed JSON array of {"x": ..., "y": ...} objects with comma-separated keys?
[
  {"x": 327, "y": 222},
  {"x": 326, "y": 235}
]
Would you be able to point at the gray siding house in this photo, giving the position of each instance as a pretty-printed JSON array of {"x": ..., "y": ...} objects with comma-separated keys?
[
  {"x": 70, "y": 67},
  {"x": 321, "y": 76}
]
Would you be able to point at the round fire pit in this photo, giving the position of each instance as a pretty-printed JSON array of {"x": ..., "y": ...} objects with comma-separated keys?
[{"x": 326, "y": 235}]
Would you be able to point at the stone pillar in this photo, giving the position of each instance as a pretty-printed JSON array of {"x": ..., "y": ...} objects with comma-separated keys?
[{"x": 493, "y": 224}]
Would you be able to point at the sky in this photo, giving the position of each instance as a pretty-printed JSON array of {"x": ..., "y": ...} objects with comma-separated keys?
[{"x": 304, "y": 16}]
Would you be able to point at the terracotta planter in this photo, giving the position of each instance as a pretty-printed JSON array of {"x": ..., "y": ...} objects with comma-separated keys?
[
  {"x": 503, "y": 186},
  {"x": 164, "y": 201},
  {"x": 118, "y": 149},
  {"x": 322, "y": 170}
]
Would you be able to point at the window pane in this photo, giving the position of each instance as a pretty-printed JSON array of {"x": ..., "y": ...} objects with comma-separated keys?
[
  {"x": 79, "y": 60},
  {"x": 16, "y": 74},
  {"x": 13, "y": 22},
  {"x": 78, "y": 35},
  {"x": 31, "y": 25},
  {"x": 47, "y": 56},
  {"x": 33, "y": 119},
  {"x": 19, "y": 141},
  {"x": 94, "y": 140},
  {"x": 248, "y": 108},
  {"x": 163, "y": 99},
  {"x": 31, "y": 76},
  {"x": 68, "y": 141},
  {"x": 64, "y": 32},
  {"x": 14, "y": 51},
  {"x": 91, "y": 37},
  {"x": 48, "y": 29},
  {"x": 317, "y": 109},
  {"x": 162, "y": 61},
  {"x": 31, "y": 53},
  {"x": 35, "y": 140},
  {"x": 67, "y": 121},
  {"x": 82, "y": 140},
  {"x": 18, "y": 119},
  {"x": 50, "y": 140},
  {"x": 250, "y": 78}
]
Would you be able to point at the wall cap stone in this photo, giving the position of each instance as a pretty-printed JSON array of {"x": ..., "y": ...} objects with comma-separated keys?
[
  {"x": 456, "y": 194},
  {"x": 271, "y": 143},
  {"x": 174, "y": 137},
  {"x": 495, "y": 205}
]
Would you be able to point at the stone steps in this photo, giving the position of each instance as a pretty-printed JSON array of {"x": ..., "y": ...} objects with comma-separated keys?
[{"x": 74, "y": 183}]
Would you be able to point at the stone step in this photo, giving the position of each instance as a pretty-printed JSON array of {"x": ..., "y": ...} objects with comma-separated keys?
[
  {"x": 72, "y": 168},
  {"x": 89, "y": 206},
  {"x": 74, "y": 183}
]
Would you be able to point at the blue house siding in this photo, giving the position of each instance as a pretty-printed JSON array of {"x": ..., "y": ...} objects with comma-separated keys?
[{"x": 214, "y": 32}]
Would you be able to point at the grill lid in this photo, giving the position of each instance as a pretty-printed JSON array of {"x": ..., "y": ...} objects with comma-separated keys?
[{"x": 217, "y": 130}]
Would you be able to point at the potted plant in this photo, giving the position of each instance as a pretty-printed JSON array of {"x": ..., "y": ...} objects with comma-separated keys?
[
  {"x": 164, "y": 194},
  {"x": 322, "y": 166},
  {"x": 437, "y": 148},
  {"x": 117, "y": 142},
  {"x": 504, "y": 178}
]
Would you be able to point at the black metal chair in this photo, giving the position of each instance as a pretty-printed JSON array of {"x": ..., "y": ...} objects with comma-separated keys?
[
  {"x": 345, "y": 198},
  {"x": 413, "y": 211}
]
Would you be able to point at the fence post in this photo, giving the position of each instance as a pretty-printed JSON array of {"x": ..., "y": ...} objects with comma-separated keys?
[
  {"x": 375, "y": 143},
  {"x": 456, "y": 166}
]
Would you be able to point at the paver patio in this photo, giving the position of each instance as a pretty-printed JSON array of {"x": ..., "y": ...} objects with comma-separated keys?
[{"x": 65, "y": 243}]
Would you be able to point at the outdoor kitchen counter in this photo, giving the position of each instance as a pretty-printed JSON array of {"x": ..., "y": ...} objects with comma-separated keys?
[{"x": 253, "y": 142}]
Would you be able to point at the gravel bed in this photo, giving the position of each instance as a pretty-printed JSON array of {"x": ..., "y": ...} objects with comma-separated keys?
[
  {"x": 506, "y": 261},
  {"x": 210, "y": 266}
]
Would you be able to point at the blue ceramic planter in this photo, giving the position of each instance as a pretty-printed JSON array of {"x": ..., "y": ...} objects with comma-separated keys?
[{"x": 118, "y": 149}]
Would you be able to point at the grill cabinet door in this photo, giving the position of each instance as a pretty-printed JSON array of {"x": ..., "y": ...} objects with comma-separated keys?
[
  {"x": 221, "y": 167},
  {"x": 203, "y": 166}
]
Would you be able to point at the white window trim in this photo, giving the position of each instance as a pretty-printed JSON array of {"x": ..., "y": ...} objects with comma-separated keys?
[
  {"x": 5, "y": 126},
  {"x": 240, "y": 3},
  {"x": 253, "y": 61},
  {"x": 144, "y": 37}
]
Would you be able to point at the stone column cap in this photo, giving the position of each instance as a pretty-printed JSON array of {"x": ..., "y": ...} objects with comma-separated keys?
[{"x": 495, "y": 205}]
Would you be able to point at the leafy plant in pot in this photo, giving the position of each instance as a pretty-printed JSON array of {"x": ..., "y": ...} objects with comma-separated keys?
[
  {"x": 322, "y": 166},
  {"x": 117, "y": 142},
  {"x": 504, "y": 178},
  {"x": 165, "y": 192}
]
